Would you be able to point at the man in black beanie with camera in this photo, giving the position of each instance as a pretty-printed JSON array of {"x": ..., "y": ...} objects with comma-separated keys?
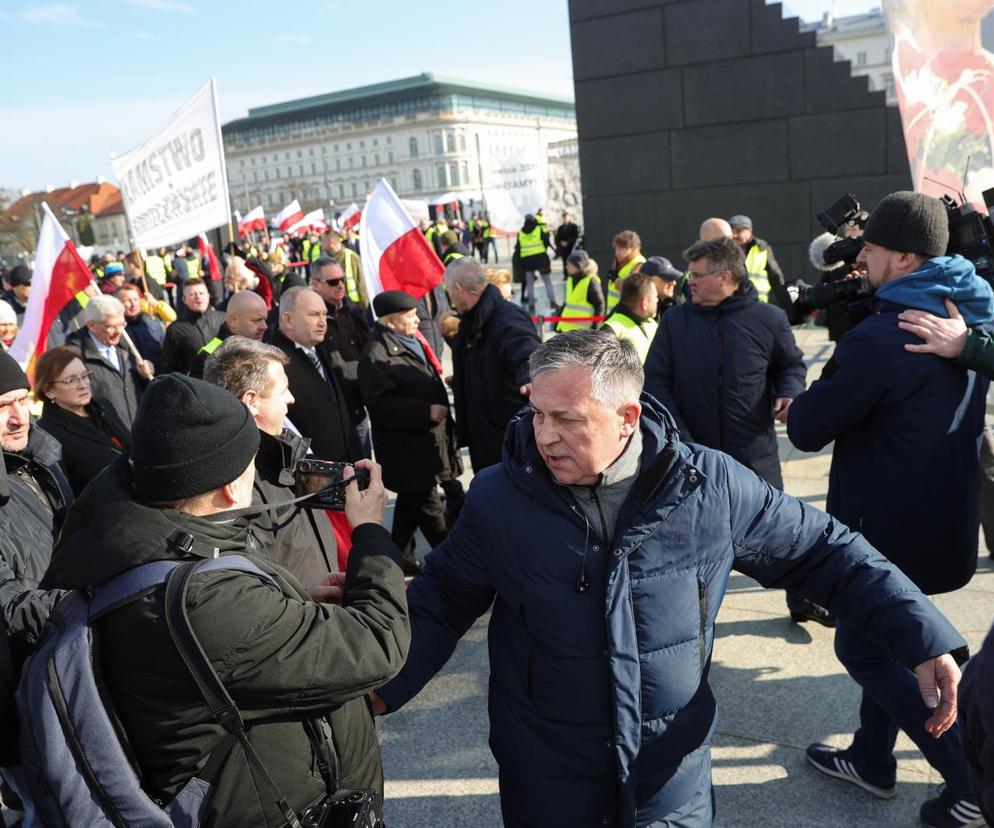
[
  {"x": 298, "y": 670},
  {"x": 905, "y": 474}
]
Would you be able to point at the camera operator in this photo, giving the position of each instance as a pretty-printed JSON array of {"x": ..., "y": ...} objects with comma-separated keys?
[
  {"x": 298, "y": 670},
  {"x": 838, "y": 317},
  {"x": 905, "y": 430}
]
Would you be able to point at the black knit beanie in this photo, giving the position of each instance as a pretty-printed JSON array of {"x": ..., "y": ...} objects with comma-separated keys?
[
  {"x": 11, "y": 375},
  {"x": 190, "y": 437},
  {"x": 909, "y": 223}
]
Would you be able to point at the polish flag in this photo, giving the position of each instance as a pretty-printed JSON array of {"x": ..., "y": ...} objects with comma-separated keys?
[
  {"x": 313, "y": 221},
  {"x": 289, "y": 215},
  {"x": 59, "y": 275},
  {"x": 253, "y": 220},
  {"x": 207, "y": 252},
  {"x": 349, "y": 217},
  {"x": 395, "y": 253}
]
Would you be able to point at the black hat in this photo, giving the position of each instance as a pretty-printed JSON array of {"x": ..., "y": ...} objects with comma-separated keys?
[
  {"x": 11, "y": 375},
  {"x": 20, "y": 275},
  {"x": 580, "y": 259},
  {"x": 660, "y": 266},
  {"x": 190, "y": 437},
  {"x": 393, "y": 301},
  {"x": 909, "y": 223}
]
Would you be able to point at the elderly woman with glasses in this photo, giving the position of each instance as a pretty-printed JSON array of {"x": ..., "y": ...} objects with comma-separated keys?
[{"x": 91, "y": 433}]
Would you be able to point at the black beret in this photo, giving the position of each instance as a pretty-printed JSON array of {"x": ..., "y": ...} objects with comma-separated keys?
[{"x": 393, "y": 301}]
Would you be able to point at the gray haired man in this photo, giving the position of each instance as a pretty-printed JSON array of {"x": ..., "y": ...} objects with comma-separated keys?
[
  {"x": 118, "y": 377},
  {"x": 604, "y": 546}
]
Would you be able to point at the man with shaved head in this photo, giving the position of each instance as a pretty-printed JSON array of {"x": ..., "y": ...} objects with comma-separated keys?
[
  {"x": 246, "y": 316},
  {"x": 715, "y": 228}
]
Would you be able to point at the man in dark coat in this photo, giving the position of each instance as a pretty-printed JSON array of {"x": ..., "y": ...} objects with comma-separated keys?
[
  {"x": 412, "y": 426},
  {"x": 245, "y": 315},
  {"x": 147, "y": 333},
  {"x": 298, "y": 669},
  {"x": 348, "y": 333},
  {"x": 603, "y": 545},
  {"x": 904, "y": 473},
  {"x": 490, "y": 361},
  {"x": 197, "y": 326},
  {"x": 566, "y": 236},
  {"x": 320, "y": 409},
  {"x": 300, "y": 540},
  {"x": 116, "y": 375},
  {"x": 17, "y": 295}
]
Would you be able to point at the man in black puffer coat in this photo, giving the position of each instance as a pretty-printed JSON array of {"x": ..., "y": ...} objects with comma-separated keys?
[{"x": 490, "y": 361}]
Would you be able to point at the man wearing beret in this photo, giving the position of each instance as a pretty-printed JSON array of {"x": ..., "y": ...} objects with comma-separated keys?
[
  {"x": 905, "y": 474},
  {"x": 401, "y": 382},
  {"x": 298, "y": 669}
]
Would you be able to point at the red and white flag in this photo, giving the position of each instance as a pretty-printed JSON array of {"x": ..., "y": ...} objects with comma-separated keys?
[
  {"x": 395, "y": 253},
  {"x": 253, "y": 220},
  {"x": 350, "y": 217},
  {"x": 313, "y": 222},
  {"x": 207, "y": 252},
  {"x": 59, "y": 274},
  {"x": 289, "y": 215}
]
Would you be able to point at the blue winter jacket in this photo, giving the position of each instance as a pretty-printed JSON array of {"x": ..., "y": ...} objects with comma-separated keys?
[
  {"x": 719, "y": 370},
  {"x": 906, "y": 428},
  {"x": 600, "y": 710}
]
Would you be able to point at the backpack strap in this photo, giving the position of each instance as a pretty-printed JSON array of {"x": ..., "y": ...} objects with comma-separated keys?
[
  {"x": 127, "y": 586},
  {"x": 218, "y": 699}
]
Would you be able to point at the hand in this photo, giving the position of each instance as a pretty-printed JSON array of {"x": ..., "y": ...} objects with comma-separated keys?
[
  {"x": 379, "y": 706},
  {"x": 438, "y": 412},
  {"x": 329, "y": 590},
  {"x": 366, "y": 506},
  {"x": 943, "y": 337},
  {"x": 146, "y": 369},
  {"x": 780, "y": 408},
  {"x": 525, "y": 390},
  {"x": 152, "y": 301},
  {"x": 938, "y": 679}
]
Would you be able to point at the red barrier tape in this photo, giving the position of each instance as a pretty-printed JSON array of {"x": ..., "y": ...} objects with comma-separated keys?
[
  {"x": 296, "y": 264},
  {"x": 543, "y": 319}
]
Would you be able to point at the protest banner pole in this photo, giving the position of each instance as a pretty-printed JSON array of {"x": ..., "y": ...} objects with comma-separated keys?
[{"x": 224, "y": 163}]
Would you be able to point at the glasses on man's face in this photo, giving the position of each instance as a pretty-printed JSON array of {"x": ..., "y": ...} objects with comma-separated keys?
[
  {"x": 76, "y": 379},
  {"x": 329, "y": 282},
  {"x": 693, "y": 274}
]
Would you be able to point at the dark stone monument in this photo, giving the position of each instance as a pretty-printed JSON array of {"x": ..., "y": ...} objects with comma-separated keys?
[{"x": 700, "y": 108}]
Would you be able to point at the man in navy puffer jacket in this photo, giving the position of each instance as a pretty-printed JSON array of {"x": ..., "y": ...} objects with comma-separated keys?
[
  {"x": 905, "y": 474},
  {"x": 605, "y": 546}
]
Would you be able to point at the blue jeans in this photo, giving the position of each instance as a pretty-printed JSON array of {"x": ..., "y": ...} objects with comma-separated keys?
[{"x": 891, "y": 701}]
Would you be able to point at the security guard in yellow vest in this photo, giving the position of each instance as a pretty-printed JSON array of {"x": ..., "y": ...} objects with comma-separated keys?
[
  {"x": 584, "y": 295},
  {"x": 532, "y": 252},
  {"x": 355, "y": 286},
  {"x": 540, "y": 219},
  {"x": 155, "y": 268},
  {"x": 488, "y": 240},
  {"x": 451, "y": 248},
  {"x": 761, "y": 265},
  {"x": 627, "y": 258},
  {"x": 635, "y": 317}
]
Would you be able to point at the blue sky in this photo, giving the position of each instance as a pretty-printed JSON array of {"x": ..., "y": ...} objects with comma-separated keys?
[{"x": 85, "y": 78}]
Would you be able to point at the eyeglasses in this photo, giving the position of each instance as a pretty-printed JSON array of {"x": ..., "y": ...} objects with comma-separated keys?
[
  {"x": 332, "y": 282},
  {"x": 78, "y": 379},
  {"x": 694, "y": 275}
]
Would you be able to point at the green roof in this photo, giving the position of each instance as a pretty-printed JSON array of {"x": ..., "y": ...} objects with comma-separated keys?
[{"x": 361, "y": 96}]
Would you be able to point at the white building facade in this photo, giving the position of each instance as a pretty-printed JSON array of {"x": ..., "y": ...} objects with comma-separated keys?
[
  {"x": 863, "y": 40},
  {"x": 427, "y": 135}
]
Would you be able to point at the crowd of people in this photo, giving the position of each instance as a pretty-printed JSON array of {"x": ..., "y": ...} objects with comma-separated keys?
[{"x": 624, "y": 463}]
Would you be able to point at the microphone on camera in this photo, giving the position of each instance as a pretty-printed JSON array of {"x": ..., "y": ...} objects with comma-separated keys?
[{"x": 816, "y": 252}]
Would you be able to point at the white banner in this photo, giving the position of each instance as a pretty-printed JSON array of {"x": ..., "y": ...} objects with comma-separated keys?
[
  {"x": 516, "y": 186},
  {"x": 174, "y": 185}
]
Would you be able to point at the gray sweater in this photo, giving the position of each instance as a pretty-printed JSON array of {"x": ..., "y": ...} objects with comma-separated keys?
[{"x": 602, "y": 502}]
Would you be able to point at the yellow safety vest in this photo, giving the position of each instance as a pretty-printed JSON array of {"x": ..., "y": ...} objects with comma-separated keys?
[
  {"x": 486, "y": 229},
  {"x": 756, "y": 268},
  {"x": 530, "y": 244},
  {"x": 313, "y": 254},
  {"x": 451, "y": 256},
  {"x": 351, "y": 285},
  {"x": 155, "y": 267},
  {"x": 169, "y": 264},
  {"x": 211, "y": 346},
  {"x": 640, "y": 336},
  {"x": 192, "y": 268},
  {"x": 614, "y": 289},
  {"x": 306, "y": 250},
  {"x": 577, "y": 305}
]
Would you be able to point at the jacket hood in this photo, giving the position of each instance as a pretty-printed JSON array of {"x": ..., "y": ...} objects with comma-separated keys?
[
  {"x": 107, "y": 532},
  {"x": 745, "y": 296},
  {"x": 660, "y": 442},
  {"x": 943, "y": 277}
]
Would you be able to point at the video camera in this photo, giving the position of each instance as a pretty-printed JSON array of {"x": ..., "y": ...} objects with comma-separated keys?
[{"x": 325, "y": 481}]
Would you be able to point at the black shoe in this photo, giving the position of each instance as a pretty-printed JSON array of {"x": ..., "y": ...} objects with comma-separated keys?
[
  {"x": 810, "y": 611},
  {"x": 841, "y": 764},
  {"x": 945, "y": 811}
]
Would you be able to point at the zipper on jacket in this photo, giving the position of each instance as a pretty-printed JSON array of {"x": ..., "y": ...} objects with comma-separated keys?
[
  {"x": 721, "y": 382},
  {"x": 702, "y": 603}
]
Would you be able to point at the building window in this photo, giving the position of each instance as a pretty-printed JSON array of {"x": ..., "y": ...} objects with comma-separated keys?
[
  {"x": 454, "y": 174},
  {"x": 341, "y": 191},
  {"x": 314, "y": 169},
  {"x": 351, "y": 162},
  {"x": 465, "y": 172},
  {"x": 416, "y": 179},
  {"x": 439, "y": 148},
  {"x": 300, "y": 154},
  {"x": 440, "y": 175},
  {"x": 363, "y": 161},
  {"x": 362, "y": 145},
  {"x": 286, "y": 156},
  {"x": 462, "y": 142},
  {"x": 393, "y": 183},
  {"x": 277, "y": 171},
  {"x": 338, "y": 163},
  {"x": 376, "y": 142},
  {"x": 365, "y": 186},
  {"x": 310, "y": 152},
  {"x": 412, "y": 144},
  {"x": 861, "y": 58},
  {"x": 389, "y": 140},
  {"x": 355, "y": 190},
  {"x": 300, "y": 170},
  {"x": 335, "y": 148},
  {"x": 348, "y": 145},
  {"x": 390, "y": 157},
  {"x": 889, "y": 85},
  {"x": 450, "y": 141},
  {"x": 376, "y": 159},
  {"x": 255, "y": 176}
]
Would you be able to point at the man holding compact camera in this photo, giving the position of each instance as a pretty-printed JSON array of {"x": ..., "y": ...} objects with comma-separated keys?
[{"x": 904, "y": 473}]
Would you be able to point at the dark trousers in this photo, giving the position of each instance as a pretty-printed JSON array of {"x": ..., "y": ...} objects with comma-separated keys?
[
  {"x": 987, "y": 487},
  {"x": 418, "y": 510},
  {"x": 487, "y": 244},
  {"x": 891, "y": 701}
]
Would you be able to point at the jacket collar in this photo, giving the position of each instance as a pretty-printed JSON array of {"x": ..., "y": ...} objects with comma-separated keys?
[
  {"x": 277, "y": 455},
  {"x": 476, "y": 317}
]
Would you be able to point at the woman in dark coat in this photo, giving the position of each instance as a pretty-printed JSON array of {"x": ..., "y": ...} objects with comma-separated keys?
[{"x": 91, "y": 433}]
